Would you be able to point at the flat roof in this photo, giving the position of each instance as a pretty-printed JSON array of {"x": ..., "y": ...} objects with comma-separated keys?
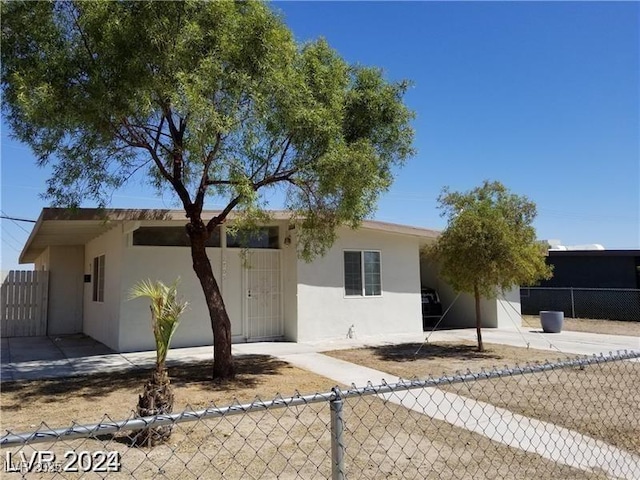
[
  {"x": 594, "y": 253},
  {"x": 61, "y": 226}
]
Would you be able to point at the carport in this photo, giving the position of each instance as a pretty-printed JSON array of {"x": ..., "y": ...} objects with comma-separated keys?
[{"x": 503, "y": 312}]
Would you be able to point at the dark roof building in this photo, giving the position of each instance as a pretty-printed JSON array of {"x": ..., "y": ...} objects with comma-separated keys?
[{"x": 594, "y": 269}]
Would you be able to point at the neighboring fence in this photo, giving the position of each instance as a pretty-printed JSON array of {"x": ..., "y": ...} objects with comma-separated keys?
[
  {"x": 598, "y": 303},
  {"x": 571, "y": 419},
  {"x": 23, "y": 303}
]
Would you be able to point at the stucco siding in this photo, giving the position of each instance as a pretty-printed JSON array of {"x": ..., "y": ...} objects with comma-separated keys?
[
  {"x": 290, "y": 288},
  {"x": 509, "y": 309},
  {"x": 65, "y": 289},
  {"x": 325, "y": 312},
  {"x": 101, "y": 319},
  {"x": 165, "y": 264},
  {"x": 42, "y": 262}
]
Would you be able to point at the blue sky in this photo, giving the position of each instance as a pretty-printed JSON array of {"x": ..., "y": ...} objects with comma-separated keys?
[{"x": 543, "y": 97}]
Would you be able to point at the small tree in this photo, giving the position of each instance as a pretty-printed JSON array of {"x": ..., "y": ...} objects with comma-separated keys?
[
  {"x": 157, "y": 397},
  {"x": 489, "y": 244},
  {"x": 208, "y": 99}
]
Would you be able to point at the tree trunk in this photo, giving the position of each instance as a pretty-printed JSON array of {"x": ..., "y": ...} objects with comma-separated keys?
[
  {"x": 156, "y": 399},
  {"x": 478, "y": 318},
  {"x": 220, "y": 323}
]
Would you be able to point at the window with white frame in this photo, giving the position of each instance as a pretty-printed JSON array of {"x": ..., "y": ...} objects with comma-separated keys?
[
  {"x": 362, "y": 273},
  {"x": 98, "y": 279}
]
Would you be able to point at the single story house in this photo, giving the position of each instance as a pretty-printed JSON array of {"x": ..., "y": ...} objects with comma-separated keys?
[{"x": 369, "y": 282}]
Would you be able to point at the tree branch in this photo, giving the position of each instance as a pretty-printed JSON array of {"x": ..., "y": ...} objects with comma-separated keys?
[
  {"x": 204, "y": 181},
  {"x": 220, "y": 218}
]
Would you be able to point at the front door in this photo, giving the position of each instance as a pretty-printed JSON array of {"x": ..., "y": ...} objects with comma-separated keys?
[{"x": 263, "y": 294}]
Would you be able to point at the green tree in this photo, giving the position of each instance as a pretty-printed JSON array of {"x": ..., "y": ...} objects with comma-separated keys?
[
  {"x": 157, "y": 397},
  {"x": 208, "y": 99},
  {"x": 489, "y": 245}
]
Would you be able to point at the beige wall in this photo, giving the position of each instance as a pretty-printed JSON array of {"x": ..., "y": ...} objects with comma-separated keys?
[
  {"x": 42, "y": 262},
  {"x": 65, "y": 289},
  {"x": 324, "y": 312},
  {"x": 290, "y": 286},
  {"x": 101, "y": 319},
  {"x": 165, "y": 264}
]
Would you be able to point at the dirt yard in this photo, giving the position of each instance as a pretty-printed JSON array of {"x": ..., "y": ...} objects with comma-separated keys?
[
  {"x": 383, "y": 440},
  {"x": 602, "y": 400},
  {"x": 59, "y": 402},
  {"x": 610, "y": 327}
]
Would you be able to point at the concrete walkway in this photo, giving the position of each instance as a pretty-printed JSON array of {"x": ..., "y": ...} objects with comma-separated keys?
[
  {"x": 30, "y": 358},
  {"x": 548, "y": 440}
]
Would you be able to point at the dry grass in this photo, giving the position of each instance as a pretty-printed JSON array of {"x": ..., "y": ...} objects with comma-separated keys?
[
  {"x": 384, "y": 440},
  {"x": 58, "y": 402},
  {"x": 411, "y": 360},
  {"x": 610, "y": 327},
  {"x": 602, "y": 401}
]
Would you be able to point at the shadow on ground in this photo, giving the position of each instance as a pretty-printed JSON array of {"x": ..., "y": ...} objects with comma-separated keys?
[
  {"x": 410, "y": 352},
  {"x": 249, "y": 369}
]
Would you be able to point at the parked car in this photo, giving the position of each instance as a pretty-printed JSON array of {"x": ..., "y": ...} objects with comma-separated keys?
[{"x": 431, "y": 307}]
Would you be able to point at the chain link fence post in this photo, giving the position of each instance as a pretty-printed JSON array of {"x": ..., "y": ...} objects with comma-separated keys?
[
  {"x": 337, "y": 435},
  {"x": 573, "y": 305}
]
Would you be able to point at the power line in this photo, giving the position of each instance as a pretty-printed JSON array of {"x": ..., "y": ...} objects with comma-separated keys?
[
  {"x": 6, "y": 242},
  {"x": 16, "y": 220},
  {"x": 8, "y": 234}
]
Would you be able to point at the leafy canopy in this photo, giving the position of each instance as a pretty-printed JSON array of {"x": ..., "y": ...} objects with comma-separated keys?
[
  {"x": 206, "y": 99},
  {"x": 489, "y": 241}
]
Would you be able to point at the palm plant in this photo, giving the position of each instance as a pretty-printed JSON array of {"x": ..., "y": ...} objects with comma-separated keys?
[{"x": 157, "y": 397}]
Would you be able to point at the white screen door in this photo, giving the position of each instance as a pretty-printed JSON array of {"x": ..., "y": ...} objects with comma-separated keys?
[{"x": 263, "y": 294}]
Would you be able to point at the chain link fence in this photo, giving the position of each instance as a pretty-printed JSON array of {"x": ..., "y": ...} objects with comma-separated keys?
[
  {"x": 597, "y": 303},
  {"x": 570, "y": 419}
]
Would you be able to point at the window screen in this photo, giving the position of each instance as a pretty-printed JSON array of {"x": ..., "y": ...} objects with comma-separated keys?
[
  {"x": 98, "y": 278},
  {"x": 362, "y": 273},
  {"x": 169, "y": 237},
  {"x": 372, "y": 284},
  {"x": 352, "y": 273},
  {"x": 266, "y": 237}
]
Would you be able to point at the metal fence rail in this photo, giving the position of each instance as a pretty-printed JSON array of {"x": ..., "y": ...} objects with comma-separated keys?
[
  {"x": 569, "y": 419},
  {"x": 597, "y": 303}
]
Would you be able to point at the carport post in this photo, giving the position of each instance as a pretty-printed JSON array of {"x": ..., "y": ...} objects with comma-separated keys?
[{"x": 337, "y": 438}]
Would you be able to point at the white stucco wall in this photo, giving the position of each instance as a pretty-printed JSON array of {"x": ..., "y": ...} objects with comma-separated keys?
[
  {"x": 101, "y": 319},
  {"x": 509, "y": 313},
  {"x": 290, "y": 287},
  {"x": 42, "y": 262},
  {"x": 65, "y": 265},
  {"x": 165, "y": 264},
  {"x": 324, "y": 312}
]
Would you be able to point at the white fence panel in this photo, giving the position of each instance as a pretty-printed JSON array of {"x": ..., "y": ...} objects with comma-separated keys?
[{"x": 23, "y": 303}]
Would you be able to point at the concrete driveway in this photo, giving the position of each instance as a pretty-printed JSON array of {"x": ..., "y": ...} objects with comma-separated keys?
[{"x": 27, "y": 358}]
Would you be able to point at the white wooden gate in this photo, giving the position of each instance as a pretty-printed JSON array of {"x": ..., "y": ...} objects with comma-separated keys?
[
  {"x": 23, "y": 303},
  {"x": 263, "y": 295}
]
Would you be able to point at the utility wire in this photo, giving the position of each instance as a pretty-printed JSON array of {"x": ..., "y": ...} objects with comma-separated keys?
[
  {"x": 6, "y": 242},
  {"x": 8, "y": 234},
  {"x": 15, "y": 221}
]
